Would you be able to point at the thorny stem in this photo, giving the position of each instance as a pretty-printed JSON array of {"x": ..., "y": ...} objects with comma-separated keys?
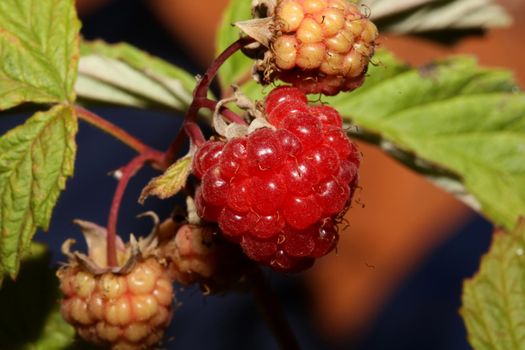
[
  {"x": 271, "y": 309},
  {"x": 200, "y": 93}
]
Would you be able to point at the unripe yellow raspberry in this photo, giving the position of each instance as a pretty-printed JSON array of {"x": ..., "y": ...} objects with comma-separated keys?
[
  {"x": 196, "y": 255},
  {"x": 120, "y": 311},
  {"x": 320, "y": 46}
]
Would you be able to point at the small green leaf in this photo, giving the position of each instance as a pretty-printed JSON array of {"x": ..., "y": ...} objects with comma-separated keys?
[
  {"x": 30, "y": 317},
  {"x": 494, "y": 299},
  {"x": 169, "y": 183},
  {"x": 238, "y": 66},
  {"x": 35, "y": 160},
  {"x": 415, "y": 16},
  {"x": 450, "y": 116},
  {"x": 38, "y": 51},
  {"x": 125, "y": 75}
]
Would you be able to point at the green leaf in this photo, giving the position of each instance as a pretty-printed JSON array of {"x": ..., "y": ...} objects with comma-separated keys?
[
  {"x": 38, "y": 51},
  {"x": 494, "y": 299},
  {"x": 450, "y": 118},
  {"x": 238, "y": 66},
  {"x": 171, "y": 182},
  {"x": 414, "y": 16},
  {"x": 125, "y": 75},
  {"x": 30, "y": 317},
  {"x": 35, "y": 160}
]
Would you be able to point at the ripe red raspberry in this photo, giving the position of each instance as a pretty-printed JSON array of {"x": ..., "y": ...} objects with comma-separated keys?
[
  {"x": 119, "y": 311},
  {"x": 319, "y": 46},
  {"x": 278, "y": 193}
]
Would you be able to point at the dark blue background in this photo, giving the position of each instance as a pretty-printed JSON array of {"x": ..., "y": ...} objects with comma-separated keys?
[{"x": 422, "y": 314}]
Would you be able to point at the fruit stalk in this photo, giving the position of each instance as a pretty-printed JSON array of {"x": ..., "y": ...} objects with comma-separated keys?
[
  {"x": 194, "y": 132},
  {"x": 126, "y": 173},
  {"x": 271, "y": 309},
  {"x": 204, "y": 84},
  {"x": 200, "y": 100}
]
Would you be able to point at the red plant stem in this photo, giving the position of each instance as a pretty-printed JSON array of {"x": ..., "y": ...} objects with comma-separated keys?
[
  {"x": 199, "y": 96},
  {"x": 204, "y": 84},
  {"x": 229, "y": 114},
  {"x": 127, "y": 173},
  {"x": 111, "y": 129},
  {"x": 271, "y": 309},
  {"x": 146, "y": 154},
  {"x": 195, "y": 133}
]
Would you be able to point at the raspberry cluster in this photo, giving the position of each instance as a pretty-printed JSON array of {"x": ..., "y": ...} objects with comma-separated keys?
[
  {"x": 278, "y": 192},
  {"x": 277, "y": 188},
  {"x": 118, "y": 311},
  {"x": 319, "y": 46}
]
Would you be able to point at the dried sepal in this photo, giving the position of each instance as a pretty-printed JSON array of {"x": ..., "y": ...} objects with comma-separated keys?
[
  {"x": 245, "y": 103},
  {"x": 223, "y": 128},
  {"x": 259, "y": 123},
  {"x": 95, "y": 261},
  {"x": 234, "y": 130},
  {"x": 258, "y": 29},
  {"x": 149, "y": 243}
]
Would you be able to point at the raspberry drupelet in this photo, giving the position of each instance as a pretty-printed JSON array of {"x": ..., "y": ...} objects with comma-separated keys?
[{"x": 279, "y": 192}]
